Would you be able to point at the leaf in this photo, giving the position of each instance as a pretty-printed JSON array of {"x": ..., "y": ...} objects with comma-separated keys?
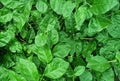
[
  {"x": 5, "y": 15},
  {"x": 101, "y": 7},
  {"x": 80, "y": 16},
  {"x": 61, "y": 50},
  {"x": 12, "y": 4},
  {"x": 97, "y": 24},
  {"x": 41, "y": 6},
  {"x": 109, "y": 50},
  {"x": 118, "y": 56},
  {"x": 16, "y": 47},
  {"x": 5, "y": 37},
  {"x": 41, "y": 39},
  {"x": 79, "y": 70},
  {"x": 89, "y": 47},
  {"x": 44, "y": 53},
  {"x": 19, "y": 20},
  {"x": 113, "y": 30},
  {"x": 86, "y": 76},
  {"x": 54, "y": 36},
  {"x": 27, "y": 69},
  {"x": 9, "y": 75},
  {"x": 108, "y": 75},
  {"x": 67, "y": 8},
  {"x": 57, "y": 5},
  {"x": 57, "y": 66},
  {"x": 98, "y": 63}
]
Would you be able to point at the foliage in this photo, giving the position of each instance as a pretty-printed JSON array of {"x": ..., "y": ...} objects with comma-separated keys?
[{"x": 59, "y": 40}]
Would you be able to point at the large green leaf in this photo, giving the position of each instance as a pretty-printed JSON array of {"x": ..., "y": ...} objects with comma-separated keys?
[
  {"x": 5, "y": 15},
  {"x": 54, "y": 37},
  {"x": 56, "y": 68},
  {"x": 102, "y": 6},
  {"x": 68, "y": 8},
  {"x": 27, "y": 69},
  {"x": 19, "y": 20},
  {"x": 61, "y": 50},
  {"x": 16, "y": 47},
  {"x": 5, "y": 37},
  {"x": 12, "y": 4},
  {"x": 98, "y": 63},
  {"x": 86, "y": 76},
  {"x": 108, "y": 75},
  {"x": 41, "y": 39},
  {"x": 9, "y": 75},
  {"x": 57, "y": 5},
  {"x": 44, "y": 53},
  {"x": 79, "y": 70},
  {"x": 41, "y": 6},
  {"x": 98, "y": 24},
  {"x": 114, "y": 29},
  {"x": 80, "y": 16}
]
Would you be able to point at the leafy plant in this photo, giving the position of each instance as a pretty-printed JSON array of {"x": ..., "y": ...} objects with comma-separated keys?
[{"x": 59, "y": 40}]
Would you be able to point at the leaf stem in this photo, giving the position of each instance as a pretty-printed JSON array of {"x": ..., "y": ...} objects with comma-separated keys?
[
  {"x": 41, "y": 77},
  {"x": 112, "y": 61}
]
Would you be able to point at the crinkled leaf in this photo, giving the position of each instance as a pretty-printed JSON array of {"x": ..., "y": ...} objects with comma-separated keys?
[
  {"x": 86, "y": 76},
  {"x": 16, "y": 47},
  {"x": 115, "y": 27},
  {"x": 80, "y": 16},
  {"x": 98, "y": 24},
  {"x": 57, "y": 5},
  {"x": 98, "y": 63},
  {"x": 44, "y": 53},
  {"x": 61, "y": 50},
  {"x": 108, "y": 75},
  {"x": 41, "y": 39},
  {"x": 9, "y": 75},
  {"x": 5, "y": 37},
  {"x": 102, "y": 6},
  {"x": 27, "y": 69},
  {"x": 41, "y": 6},
  {"x": 68, "y": 8},
  {"x": 5, "y": 15},
  {"x": 79, "y": 70},
  {"x": 56, "y": 68}
]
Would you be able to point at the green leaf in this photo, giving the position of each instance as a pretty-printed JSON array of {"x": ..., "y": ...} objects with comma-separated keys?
[
  {"x": 41, "y": 6},
  {"x": 86, "y": 76},
  {"x": 54, "y": 36},
  {"x": 108, "y": 75},
  {"x": 80, "y": 16},
  {"x": 19, "y": 20},
  {"x": 5, "y": 37},
  {"x": 79, "y": 70},
  {"x": 9, "y": 75},
  {"x": 5, "y": 15},
  {"x": 113, "y": 30},
  {"x": 41, "y": 39},
  {"x": 12, "y": 4},
  {"x": 98, "y": 24},
  {"x": 98, "y": 63},
  {"x": 44, "y": 53},
  {"x": 89, "y": 47},
  {"x": 56, "y": 68},
  {"x": 16, "y": 47},
  {"x": 57, "y": 5},
  {"x": 101, "y": 7},
  {"x": 68, "y": 8},
  {"x": 61, "y": 50},
  {"x": 27, "y": 69},
  {"x": 109, "y": 50}
]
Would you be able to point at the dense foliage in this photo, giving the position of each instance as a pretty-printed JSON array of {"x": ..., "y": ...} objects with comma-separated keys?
[{"x": 59, "y": 40}]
